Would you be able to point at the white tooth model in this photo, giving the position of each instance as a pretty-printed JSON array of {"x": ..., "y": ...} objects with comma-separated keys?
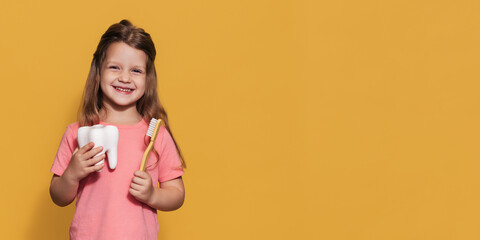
[{"x": 105, "y": 136}]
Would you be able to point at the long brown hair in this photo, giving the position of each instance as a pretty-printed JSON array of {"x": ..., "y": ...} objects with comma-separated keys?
[{"x": 148, "y": 105}]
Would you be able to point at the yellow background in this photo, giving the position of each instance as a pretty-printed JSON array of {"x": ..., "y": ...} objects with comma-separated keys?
[{"x": 298, "y": 119}]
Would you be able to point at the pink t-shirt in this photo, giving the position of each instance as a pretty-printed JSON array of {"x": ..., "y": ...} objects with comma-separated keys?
[{"x": 104, "y": 207}]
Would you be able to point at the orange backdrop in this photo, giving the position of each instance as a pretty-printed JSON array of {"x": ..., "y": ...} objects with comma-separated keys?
[{"x": 298, "y": 119}]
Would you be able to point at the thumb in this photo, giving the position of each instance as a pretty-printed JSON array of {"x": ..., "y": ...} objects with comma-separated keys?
[{"x": 141, "y": 174}]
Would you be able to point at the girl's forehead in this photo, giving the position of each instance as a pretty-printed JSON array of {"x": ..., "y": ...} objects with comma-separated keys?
[{"x": 123, "y": 53}]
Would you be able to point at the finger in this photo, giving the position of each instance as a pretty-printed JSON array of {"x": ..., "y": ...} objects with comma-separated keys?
[
  {"x": 138, "y": 180},
  {"x": 93, "y": 152},
  {"x": 86, "y": 148},
  {"x": 134, "y": 192},
  {"x": 136, "y": 187},
  {"x": 76, "y": 150},
  {"x": 95, "y": 160},
  {"x": 141, "y": 174},
  {"x": 95, "y": 168}
]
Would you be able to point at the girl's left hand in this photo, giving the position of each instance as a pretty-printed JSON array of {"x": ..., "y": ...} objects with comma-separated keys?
[{"x": 141, "y": 187}]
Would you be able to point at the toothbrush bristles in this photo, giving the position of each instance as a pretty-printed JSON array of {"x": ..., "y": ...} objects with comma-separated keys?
[{"x": 151, "y": 127}]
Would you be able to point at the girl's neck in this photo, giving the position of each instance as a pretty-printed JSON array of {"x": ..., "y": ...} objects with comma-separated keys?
[{"x": 126, "y": 117}]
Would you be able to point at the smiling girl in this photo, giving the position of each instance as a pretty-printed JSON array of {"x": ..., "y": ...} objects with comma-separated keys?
[{"x": 121, "y": 90}]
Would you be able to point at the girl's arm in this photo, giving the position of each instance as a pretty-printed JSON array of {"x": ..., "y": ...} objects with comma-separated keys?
[
  {"x": 168, "y": 197},
  {"x": 63, "y": 189}
]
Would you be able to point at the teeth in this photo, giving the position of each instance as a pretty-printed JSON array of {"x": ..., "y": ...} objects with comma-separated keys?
[{"x": 123, "y": 90}]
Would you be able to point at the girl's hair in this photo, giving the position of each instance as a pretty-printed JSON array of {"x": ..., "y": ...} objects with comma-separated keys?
[{"x": 148, "y": 105}]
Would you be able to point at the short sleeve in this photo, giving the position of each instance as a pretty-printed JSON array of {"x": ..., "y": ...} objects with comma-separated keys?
[
  {"x": 170, "y": 166},
  {"x": 65, "y": 151}
]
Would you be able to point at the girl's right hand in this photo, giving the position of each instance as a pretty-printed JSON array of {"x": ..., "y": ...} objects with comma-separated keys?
[{"x": 83, "y": 162}]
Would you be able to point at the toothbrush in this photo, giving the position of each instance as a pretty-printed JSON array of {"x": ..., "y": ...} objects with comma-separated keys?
[{"x": 152, "y": 133}]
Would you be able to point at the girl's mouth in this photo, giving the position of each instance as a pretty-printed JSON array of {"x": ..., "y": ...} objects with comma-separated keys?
[{"x": 123, "y": 90}]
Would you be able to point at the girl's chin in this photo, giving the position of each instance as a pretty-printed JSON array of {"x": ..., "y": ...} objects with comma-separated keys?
[{"x": 119, "y": 105}]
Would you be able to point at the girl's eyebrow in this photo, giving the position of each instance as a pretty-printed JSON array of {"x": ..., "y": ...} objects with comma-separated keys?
[
  {"x": 114, "y": 62},
  {"x": 138, "y": 66}
]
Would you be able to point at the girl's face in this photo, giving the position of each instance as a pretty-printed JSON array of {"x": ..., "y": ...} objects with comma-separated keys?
[{"x": 123, "y": 76}]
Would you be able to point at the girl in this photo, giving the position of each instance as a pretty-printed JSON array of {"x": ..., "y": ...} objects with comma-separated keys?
[{"x": 121, "y": 90}]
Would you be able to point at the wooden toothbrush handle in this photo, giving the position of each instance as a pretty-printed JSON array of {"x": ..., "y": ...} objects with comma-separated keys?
[{"x": 143, "y": 165}]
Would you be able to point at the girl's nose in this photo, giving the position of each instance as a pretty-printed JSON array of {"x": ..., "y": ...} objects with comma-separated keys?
[{"x": 124, "y": 77}]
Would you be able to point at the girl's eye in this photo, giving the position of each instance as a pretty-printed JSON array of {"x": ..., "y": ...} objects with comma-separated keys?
[
  {"x": 137, "y": 71},
  {"x": 113, "y": 67}
]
